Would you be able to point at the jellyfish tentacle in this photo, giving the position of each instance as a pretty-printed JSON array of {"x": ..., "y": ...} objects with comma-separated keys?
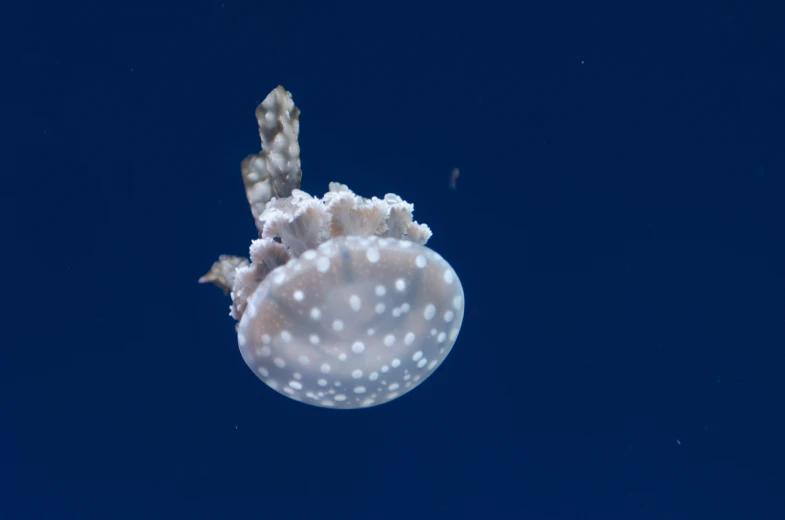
[{"x": 275, "y": 171}]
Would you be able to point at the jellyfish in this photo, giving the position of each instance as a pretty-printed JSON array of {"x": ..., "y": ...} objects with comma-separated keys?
[{"x": 340, "y": 304}]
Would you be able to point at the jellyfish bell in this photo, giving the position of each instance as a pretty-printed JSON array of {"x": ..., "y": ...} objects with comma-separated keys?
[
  {"x": 357, "y": 322},
  {"x": 341, "y": 305}
]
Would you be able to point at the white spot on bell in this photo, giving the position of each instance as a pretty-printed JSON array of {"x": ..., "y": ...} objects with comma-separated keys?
[
  {"x": 323, "y": 264},
  {"x": 372, "y": 254},
  {"x": 448, "y": 276}
]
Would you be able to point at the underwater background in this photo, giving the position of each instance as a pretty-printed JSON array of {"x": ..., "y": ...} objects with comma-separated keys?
[{"x": 616, "y": 224}]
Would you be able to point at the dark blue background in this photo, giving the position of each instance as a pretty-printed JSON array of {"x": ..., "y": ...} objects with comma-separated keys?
[{"x": 617, "y": 228}]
